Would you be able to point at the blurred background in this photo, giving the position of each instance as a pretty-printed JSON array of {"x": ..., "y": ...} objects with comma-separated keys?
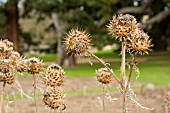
[{"x": 38, "y": 27}]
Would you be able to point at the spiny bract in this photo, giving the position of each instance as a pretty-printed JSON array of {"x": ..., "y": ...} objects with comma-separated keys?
[
  {"x": 140, "y": 42},
  {"x": 77, "y": 42},
  {"x": 53, "y": 98},
  {"x": 34, "y": 65},
  {"x": 104, "y": 75},
  {"x": 54, "y": 75},
  {"x": 122, "y": 26}
]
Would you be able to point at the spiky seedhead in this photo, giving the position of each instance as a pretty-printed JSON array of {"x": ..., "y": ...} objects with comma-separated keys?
[
  {"x": 6, "y": 48},
  {"x": 14, "y": 57},
  {"x": 53, "y": 98},
  {"x": 22, "y": 65},
  {"x": 122, "y": 26},
  {"x": 7, "y": 75},
  {"x": 34, "y": 65},
  {"x": 140, "y": 42},
  {"x": 77, "y": 42},
  {"x": 104, "y": 75},
  {"x": 54, "y": 75}
]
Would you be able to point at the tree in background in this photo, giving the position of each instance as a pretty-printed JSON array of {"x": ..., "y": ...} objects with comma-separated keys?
[
  {"x": 90, "y": 15},
  {"x": 9, "y": 22}
]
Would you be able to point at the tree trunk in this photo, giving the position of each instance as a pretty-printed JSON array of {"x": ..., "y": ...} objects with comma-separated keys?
[
  {"x": 63, "y": 58},
  {"x": 13, "y": 27},
  {"x": 158, "y": 34}
]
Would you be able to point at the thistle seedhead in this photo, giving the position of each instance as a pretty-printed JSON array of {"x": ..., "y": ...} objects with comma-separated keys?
[
  {"x": 22, "y": 65},
  {"x": 77, "y": 42},
  {"x": 53, "y": 98},
  {"x": 34, "y": 65},
  {"x": 140, "y": 42},
  {"x": 54, "y": 75},
  {"x": 104, "y": 75},
  {"x": 122, "y": 26},
  {"x": 7, "y": 75},
  {"x": 6, "y": 48},
  {"x": 14, "y": 57}
]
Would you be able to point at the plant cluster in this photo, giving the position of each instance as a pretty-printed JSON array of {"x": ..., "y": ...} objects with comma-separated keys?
[
  {"x": 11, "y": 62},
  {"x": 53, "y": 78},
  {"x": 133, "y": 40}
]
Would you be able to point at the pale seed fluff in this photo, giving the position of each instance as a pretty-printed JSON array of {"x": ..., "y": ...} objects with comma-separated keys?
[
  {"x": 140, "y": 42},
  {"x": 53, "y": 76},
  {"x": 122, "y": 26},
  {"x": 104, "y": 76},
  {"x": 53, "y": 98},
  {"x": 77, "y": 42}
]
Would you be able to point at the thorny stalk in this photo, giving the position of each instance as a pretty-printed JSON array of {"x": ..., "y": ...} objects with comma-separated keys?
[
  {"x": 105, "y": 65},
  {"x": 34, "y": 85},
  {"x": 2, "y": 96}
]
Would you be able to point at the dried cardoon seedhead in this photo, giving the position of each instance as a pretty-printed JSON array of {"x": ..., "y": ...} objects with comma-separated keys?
[
  {"x": 104, "y": 75},
  {"x": 34, "y": 65},
  {"x": 53, "y": 98},
  {"x": 122, "y": 26},
  {"x": 7, "y": 75},
  {"x": 77, "y": 42},
  {"x": 22, "y": 65},
  {"x": 14, "y": 57},
  {"x": 140, "y": 43},
  {"x": 6, "y": 48},
  {"x": 54, "y": 75}
]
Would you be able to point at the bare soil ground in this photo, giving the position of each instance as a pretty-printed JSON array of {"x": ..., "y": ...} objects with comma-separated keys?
[{"x": 89, "y": 103}]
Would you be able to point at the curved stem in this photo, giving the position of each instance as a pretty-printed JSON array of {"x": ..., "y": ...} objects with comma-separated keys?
[
  {"x": 103, "y": 63},
  {"x": 130, "y": 73},
  {"x": 2, "y": 96}
]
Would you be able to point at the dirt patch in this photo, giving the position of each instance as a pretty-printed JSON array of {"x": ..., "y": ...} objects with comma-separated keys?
[{"x": 90, "y": 103}]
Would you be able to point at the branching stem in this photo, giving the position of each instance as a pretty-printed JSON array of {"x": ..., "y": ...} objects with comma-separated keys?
[{"x": 105, "y": 65}]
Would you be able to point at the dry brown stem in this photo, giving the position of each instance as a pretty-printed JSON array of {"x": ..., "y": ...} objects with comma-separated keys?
[
  {"x": 105, "y": 65},
  {"x": 2, "y": 97},
  {"x": 34, "y": 92}
]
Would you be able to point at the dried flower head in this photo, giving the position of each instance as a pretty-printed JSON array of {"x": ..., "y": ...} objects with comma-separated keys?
[
  {"x": 140, "y": 43},
  {"x": 104, "y": 75},
  {"x": 122, "y": 26},
  {"x": 6, "y": 48},
  {"x": 77, "y": 42},
  {"x": 14, "y": 57},
  {"x": 22, "y": 65},
  {"x": 54, "y": 75},
  {"x": 53, "y": 98},
  {"x": 7, "y": 75},
  {"x": 34, "y": 65}
]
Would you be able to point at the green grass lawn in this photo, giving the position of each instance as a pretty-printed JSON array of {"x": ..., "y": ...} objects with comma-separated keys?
[
  {"x": 156, "y": 70},
  {"x": 150, "y": 72}
]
